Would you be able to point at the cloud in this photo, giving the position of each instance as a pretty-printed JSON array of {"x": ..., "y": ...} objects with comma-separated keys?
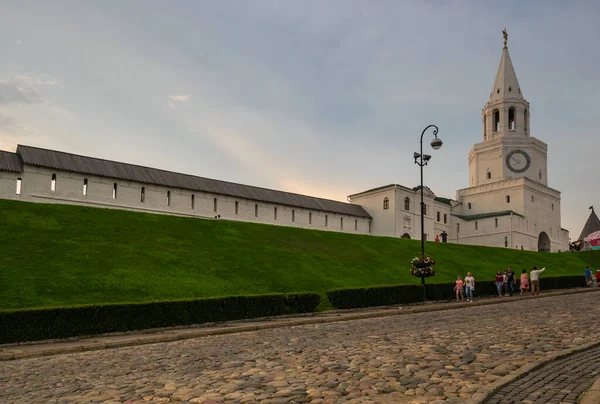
[
  {"x": 37, "y": 80},
  {"x": 180, "y": 98},
  {"x": 11, "y": 132},
  {"x": 18, "y": 42},
  {"x": 11, "y": 93}
]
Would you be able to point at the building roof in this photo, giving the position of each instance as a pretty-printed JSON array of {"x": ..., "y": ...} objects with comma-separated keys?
[
  {"x": 592, "y": 225},
  {"x": 10, "y": 162},
  {"x": 111, "y": 169},
  {"x": 446, "y": 201},
  {"x": 487, "y": 215},
  {"x": 505, "y": 78}
]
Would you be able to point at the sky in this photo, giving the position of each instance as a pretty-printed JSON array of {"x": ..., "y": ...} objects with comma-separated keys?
[{"x": 325, "y": 98}]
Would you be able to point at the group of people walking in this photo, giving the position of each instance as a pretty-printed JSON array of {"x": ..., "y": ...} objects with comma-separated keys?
[{"x": 506, "y": 283}]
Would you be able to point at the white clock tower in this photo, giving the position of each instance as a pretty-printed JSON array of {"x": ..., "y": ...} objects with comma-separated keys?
[
  {"x": 508, "y": 150},
  {"x": 508, "y": 202}
]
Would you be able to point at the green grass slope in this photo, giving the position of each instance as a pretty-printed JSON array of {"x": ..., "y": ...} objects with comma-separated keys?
[{"x": 54, "y": 255}]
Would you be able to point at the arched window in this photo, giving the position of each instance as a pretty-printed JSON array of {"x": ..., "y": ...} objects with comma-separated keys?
[
  {"x": 115, "y": 190},
  {"x": 19, "y": 186},
  {"x": 496, "y": 222},
  {"x": 496, "y": 120},
  {"x": 215, "y": 204},
  {"x": 407, "y": 203},
  {"x": 326, "y": 221},
  {"x": 237, "y": 207},
  {"x": 525, "y": 120},
  {"x": 531, "y": 198},
  {"x": 552, "y": 206},
  {"x": 274, "y": 213},
  {"x": 540, "y": 174},
  {"x": 168, "y": 198},
  {"x": 85, "y": 184},
  {"x": 293, "y": 215},
  {"x": 355, "y": 224},
  {"x": 469, "y": 205},
  {"x": 143, "y": 195},
  {"x": 341, "y": 223},
  {"x": 309, "y": 217},
  {"x": 489, "y": 175},
  {"x": 511, "y": 119},
  {"x": 386, "y": 203},
  {"x": 53, "y": 183},
  {"x": 485, "y": 127},
  {"x": 193, "y": 201},
  {"x": 256, "y": 210},
  {"x": 476, "y": 226},
  {"x": 507, "y": 198}
]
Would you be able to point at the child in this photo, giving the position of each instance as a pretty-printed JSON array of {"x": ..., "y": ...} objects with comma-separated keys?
[
  {"x": 598, "y": 278},
  {"x": 459, "y": 289},
  {"x": 499, "y": 282},
  {"x": 524, "y": 282}
]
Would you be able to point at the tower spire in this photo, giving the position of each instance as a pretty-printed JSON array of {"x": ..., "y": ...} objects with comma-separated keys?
[{"x": 506, "y": 84}]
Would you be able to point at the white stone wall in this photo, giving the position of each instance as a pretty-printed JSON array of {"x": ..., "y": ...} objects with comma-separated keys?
[
  {"x": 383, "y": 219},
  {"x": 491, "y": 197},
  {"x": 36, "y": 187}
]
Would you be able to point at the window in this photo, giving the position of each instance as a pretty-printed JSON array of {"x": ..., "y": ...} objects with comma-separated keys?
[
  {"x": 511, "y": 119},
  {"x": 496, "y": 222},
  {"x": 386, "y": 203},
  {"x": 485, "y": 127},
  {"x": 237, "y": 207},
  {"x": 445, "y": 218},
  {"x": 85, "y": 184},
  {"x": 476, "y": 225},
  {"x": 19, "y": 186},
  {"x": 114, "y": 191},
  {"x": 326, "y": 221},
  {"x": 193, "y": 201},
  {"x": 407, "y": 203},
  {"x": 509, "y": 89},
  {"x": 341, "y": 223},
  {"x": 53, "y": 183},
  {"x": 496, "y": 120},
  {"x": 274, "y": 213},
  {"x": 355, "y": 224},
  {"x": 540, "y": 175},
  {"x": 552, "y": 206},
  {"x": 507, "y": 198},
  {"x": 293, "y": 215},
  {"x": 438, "y": 216},
  {"x": 531, "y": 198},
  {"x": 469, "y": 205},
  {"x": 143, "y": 195},
  {"x": 168, "y": 198},
  {"x": 525, "y": 120},
  {"x": 256, "y": 210},
  {"x": 215, "y": 204},
  {"x": 369, "y": 226},
  {"x": 309, "y": 217},
  {"x": 424, "y": 209},
  {"x": 489, "y": 175}
]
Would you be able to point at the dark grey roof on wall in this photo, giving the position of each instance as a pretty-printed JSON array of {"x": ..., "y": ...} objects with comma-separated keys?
[
  {"x": 10, "y": 162},
  {"x": 129, "y": 172}
]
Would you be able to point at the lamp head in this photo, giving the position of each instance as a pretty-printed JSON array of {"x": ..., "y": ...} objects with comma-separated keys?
[
  {"x": 416, "y": 155},
  {"x": 426, "y": 157},
  {"x": 436, "y": 143}
]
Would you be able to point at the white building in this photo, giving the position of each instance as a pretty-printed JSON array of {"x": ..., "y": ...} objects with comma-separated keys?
[{"x": 508, "y": 202}]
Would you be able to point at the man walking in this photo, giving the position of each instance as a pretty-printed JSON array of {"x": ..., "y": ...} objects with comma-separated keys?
[
  {"x": 534, "y": 277},
  {"x": 510, "y": 281}
]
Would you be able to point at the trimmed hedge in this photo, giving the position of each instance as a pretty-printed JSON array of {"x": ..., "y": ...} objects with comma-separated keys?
[
  {"x": 64, "y": 322},
  {"x": 406, "y": 294}
]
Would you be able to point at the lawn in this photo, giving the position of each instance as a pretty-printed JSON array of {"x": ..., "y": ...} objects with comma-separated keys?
[{"x": 57, "y": 255}]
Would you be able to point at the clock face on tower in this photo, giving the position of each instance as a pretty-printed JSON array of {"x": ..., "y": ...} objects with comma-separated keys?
[{"x": 518, "y": 161}]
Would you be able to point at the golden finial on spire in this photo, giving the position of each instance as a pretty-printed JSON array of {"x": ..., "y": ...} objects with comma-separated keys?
[{"x": 505, "y": 35}]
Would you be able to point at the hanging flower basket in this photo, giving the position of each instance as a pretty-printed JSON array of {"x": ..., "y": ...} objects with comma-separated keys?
[{"x": 422, "y": 267}]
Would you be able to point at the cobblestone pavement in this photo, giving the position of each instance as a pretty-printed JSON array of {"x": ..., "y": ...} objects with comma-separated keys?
[
  {"x": 561, "y": 381},
  {"x": 437, "y": 357}
]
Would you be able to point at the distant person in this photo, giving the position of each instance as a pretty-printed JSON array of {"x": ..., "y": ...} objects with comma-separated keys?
[
  {"x": 598, "y": 278},
  {"x": 524, "y": 282},
  {"x": 469, "y": 286},
  {"x": 458, "y": 287},
  {"x": 504, "y": 290},
  {"x": 437, "y": 239},
  {"x": 588, "y": 275},
  {"x": 444, "y": 236},
  {"x": 499, "y": 282},
  {"x": 521, "y": 247},
  {"x": 510, "y": 281},
  {"x": 535, "y": 280}
]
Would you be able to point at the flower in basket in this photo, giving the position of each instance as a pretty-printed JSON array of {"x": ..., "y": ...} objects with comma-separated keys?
[{"x": 422, "y": 266}]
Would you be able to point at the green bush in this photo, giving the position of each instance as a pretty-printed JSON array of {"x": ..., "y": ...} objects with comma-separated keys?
[
  {"x": 63, "y": 322},
  {"x": 406, "y": 294}
]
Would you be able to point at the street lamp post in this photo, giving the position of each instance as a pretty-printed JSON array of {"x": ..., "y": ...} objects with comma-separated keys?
[{"x": 422, "y": 159}]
